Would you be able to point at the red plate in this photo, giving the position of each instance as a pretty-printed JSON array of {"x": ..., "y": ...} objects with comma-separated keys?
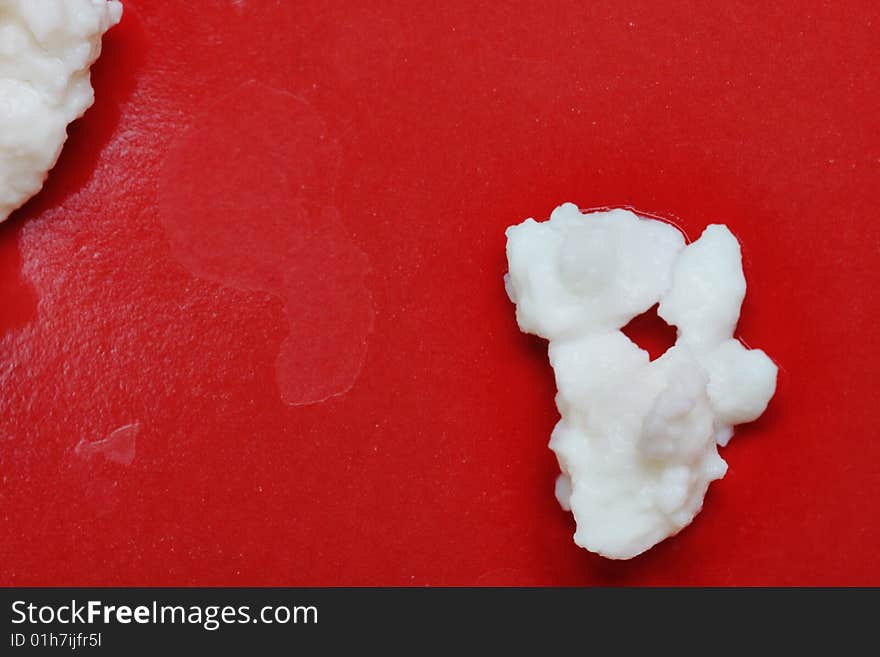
[{"x": 274, "y": 203}]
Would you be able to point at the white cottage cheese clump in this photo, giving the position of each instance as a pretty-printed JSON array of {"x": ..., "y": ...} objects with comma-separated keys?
[
  {"x": 637, "y": 442},
  {"x": 46, "y": 49}
]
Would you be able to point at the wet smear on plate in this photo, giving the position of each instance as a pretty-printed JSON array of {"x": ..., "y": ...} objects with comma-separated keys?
[
  {"x": 247, "y": 202},
  {"x": 18, "y": 301},
  {"x": 119, "y": 447}
]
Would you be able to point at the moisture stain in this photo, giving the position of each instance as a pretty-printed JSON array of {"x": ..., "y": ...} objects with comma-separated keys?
[
  {"x": 118, "y": 447},
  {"x": 246, "y": 200},
  {"x": 18, "y": 300}
]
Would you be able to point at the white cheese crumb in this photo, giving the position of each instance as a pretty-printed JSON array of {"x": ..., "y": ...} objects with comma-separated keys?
[
  {"x": 46, "y": 49},
  {"x": 637, "y": 441}
]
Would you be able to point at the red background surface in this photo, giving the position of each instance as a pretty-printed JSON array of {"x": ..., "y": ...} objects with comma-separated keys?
[{"x": 240, "y": 151}]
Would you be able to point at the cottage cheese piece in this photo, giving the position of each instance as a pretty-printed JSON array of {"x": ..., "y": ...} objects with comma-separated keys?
[
  {"x": 46, "y": 49},
  {"x": 637, "y": 441}
]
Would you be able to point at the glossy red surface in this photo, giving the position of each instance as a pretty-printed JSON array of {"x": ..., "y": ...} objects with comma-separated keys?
[{"x": 275, "y": 202}]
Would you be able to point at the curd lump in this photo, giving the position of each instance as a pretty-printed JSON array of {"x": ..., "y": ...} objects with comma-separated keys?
[
  {"x": 46, "y": 49},
  {"x": 637, "y": 439}
]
